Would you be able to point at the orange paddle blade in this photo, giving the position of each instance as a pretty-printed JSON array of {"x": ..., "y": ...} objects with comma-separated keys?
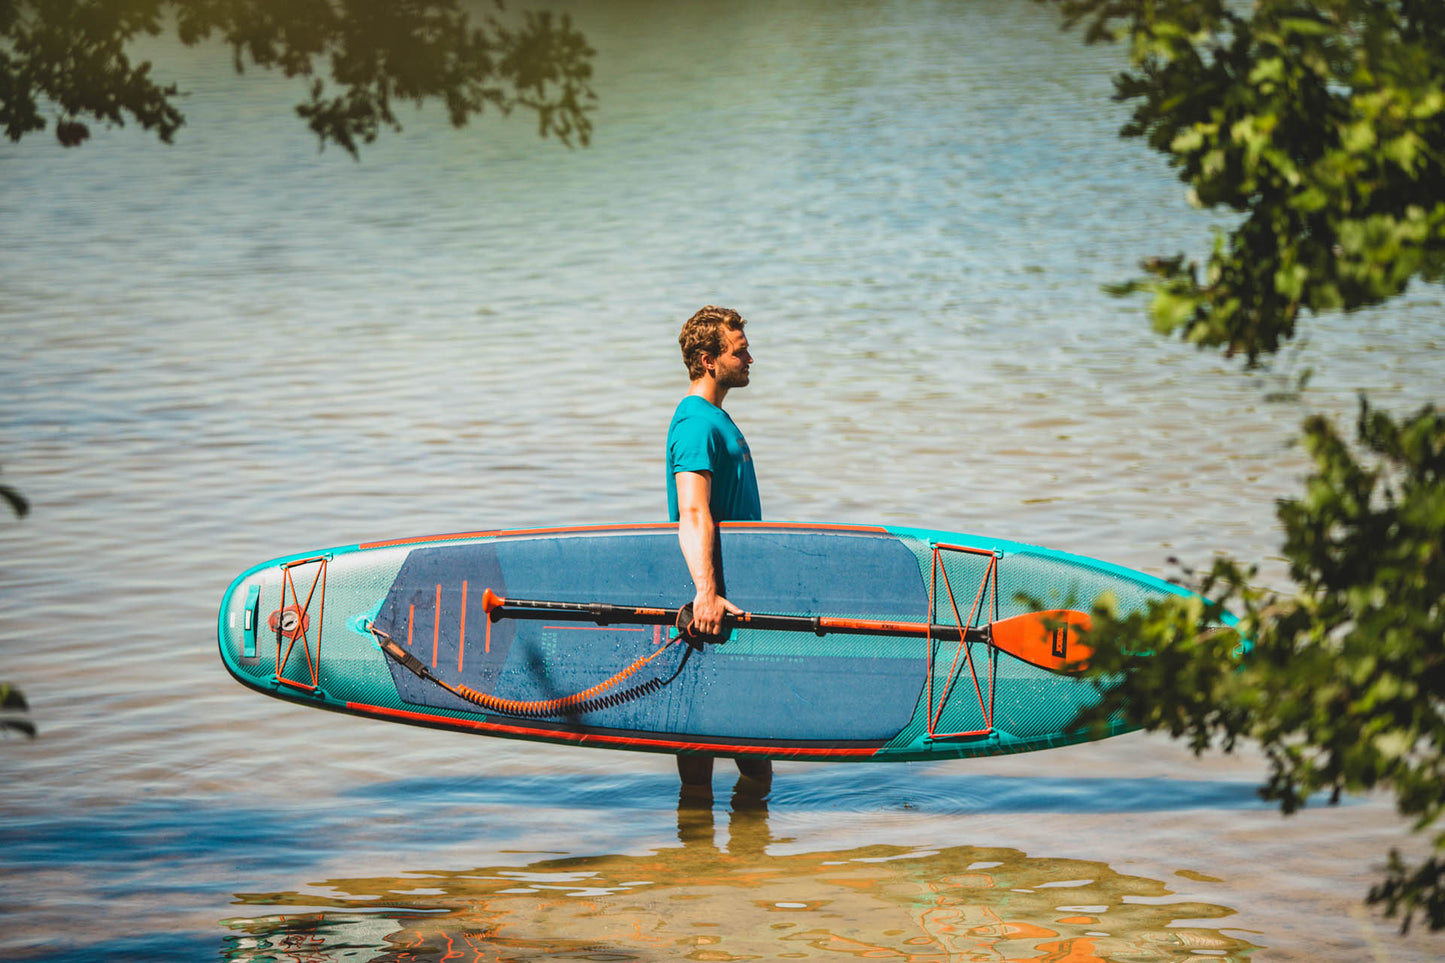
[{"x": 1049, "y": 640}]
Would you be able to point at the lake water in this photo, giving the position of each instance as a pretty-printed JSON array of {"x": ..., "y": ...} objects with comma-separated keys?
[{"x": 237, "y": 347}]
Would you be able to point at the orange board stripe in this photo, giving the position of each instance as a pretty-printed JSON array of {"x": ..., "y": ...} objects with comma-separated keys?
[
  {"x": 436, "y": 628},
  {"x": 462, "y": 629},
  {"x": 595, "y": 738},
  {"x": 646, "y": 526},
  {"x": 501, "y": 533}
]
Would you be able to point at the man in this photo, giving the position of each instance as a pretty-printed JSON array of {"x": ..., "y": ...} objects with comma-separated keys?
[{"x": 710, "y": 479}]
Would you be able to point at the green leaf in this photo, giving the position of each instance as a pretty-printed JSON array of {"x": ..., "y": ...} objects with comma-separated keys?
[
  {"x": 1270, "y": 69},
  {"x": 1171, "y": 311},
  {"x": 12, "y": 698},
  {"x": 1289, "y": 280},
  {"x": 15, "y": 500}
]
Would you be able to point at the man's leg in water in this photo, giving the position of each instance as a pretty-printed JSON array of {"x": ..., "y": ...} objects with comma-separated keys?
[
  {"x": 757, "y": 775},
  {"x": 695, "y": 772}
]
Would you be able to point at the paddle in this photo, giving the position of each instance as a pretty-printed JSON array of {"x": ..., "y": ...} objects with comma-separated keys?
[{"x": 1049, "y": 640}]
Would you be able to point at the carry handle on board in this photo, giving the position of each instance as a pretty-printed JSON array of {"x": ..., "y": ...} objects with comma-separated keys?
[{"x": 1048, "y": 639}]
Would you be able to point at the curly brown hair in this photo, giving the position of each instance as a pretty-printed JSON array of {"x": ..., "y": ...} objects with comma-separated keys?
[{"x": 702, "y": 334}]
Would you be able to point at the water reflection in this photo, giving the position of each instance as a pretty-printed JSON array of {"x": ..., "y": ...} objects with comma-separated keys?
[{"x": 744, "y": 898}]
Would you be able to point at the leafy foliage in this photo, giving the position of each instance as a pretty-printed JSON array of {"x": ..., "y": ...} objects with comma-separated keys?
[
  {"x": 12, "y": 709},
  {"x": 1321, "y": 122},
  {"x": 12, "y": 700},
  {"x": 17, "y": 502},
  {"x": 1341, "y": 683},
  {"x": 70, "y": 56}
]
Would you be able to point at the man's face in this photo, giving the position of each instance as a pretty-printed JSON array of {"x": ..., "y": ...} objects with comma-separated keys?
[{"x": 731, "y": 367}]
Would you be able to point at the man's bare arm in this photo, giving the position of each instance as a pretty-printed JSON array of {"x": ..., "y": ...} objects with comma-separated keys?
[{"x": 697, "y": 533}]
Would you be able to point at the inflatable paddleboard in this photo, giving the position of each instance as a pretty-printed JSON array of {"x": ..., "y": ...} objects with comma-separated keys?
[{"x": 858, "y": 643}]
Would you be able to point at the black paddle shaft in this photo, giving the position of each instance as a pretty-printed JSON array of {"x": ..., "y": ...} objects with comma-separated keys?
[{"x": 603, "y": 614}]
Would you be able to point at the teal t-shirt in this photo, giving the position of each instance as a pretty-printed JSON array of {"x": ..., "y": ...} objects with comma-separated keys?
[{"x": 703, "y": 438}]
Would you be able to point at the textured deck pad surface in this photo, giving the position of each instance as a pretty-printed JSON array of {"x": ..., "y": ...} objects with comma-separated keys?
[{"x": 758, "y": 686}]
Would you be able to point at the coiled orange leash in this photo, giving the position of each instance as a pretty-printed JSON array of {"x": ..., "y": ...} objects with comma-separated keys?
[{"x": 588, "y": 700}]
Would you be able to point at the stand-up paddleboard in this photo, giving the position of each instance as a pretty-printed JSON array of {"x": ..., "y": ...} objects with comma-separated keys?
[{"x": 875, "y": 644}]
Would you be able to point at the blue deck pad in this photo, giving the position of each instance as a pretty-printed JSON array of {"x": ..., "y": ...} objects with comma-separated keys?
[{"x": 761, "y": 685}]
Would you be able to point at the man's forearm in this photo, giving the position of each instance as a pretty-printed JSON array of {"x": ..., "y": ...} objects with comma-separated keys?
[{"x": 697, "y": 534}]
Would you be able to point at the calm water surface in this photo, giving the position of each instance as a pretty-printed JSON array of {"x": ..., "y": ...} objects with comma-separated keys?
[{"x": 235, "y": 348}]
